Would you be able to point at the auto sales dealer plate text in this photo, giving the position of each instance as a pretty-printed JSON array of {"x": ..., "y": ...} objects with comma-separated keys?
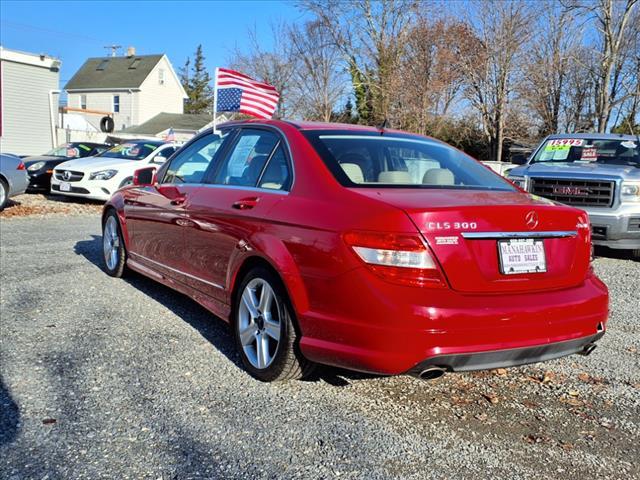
[{"x": 524, "y": 255}]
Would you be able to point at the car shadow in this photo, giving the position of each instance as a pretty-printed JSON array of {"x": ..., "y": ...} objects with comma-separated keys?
[
  {"x": 606, "y": 252},
  {"x": 215, "y": 330},
  {"x": 9, "y": 415}
]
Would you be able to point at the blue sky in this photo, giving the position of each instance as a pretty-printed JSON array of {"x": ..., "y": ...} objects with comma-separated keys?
[{"x": 74, "y": 31}]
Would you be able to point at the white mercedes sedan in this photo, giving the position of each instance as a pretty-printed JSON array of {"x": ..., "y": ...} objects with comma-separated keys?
[{"x": 98, "y": 177}]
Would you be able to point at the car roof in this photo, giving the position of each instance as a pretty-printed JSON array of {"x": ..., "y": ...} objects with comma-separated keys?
[
  {"x": 593, "y": 136},
  {"x": 303, "y": 125}
]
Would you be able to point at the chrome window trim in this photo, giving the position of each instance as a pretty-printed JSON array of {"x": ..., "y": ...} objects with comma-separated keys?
[
  {"x": 240, "y": 187},
  {"x": 506, "y": 235},
  {"x": 179, "y": 271}
]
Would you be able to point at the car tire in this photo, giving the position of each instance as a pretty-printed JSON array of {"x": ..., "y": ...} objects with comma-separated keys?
[
  {"x": 4, "y": 194},
  {"x": 268, "y": 346},
  {"x": 635, "y": 254},
  {"x": 113, "y": 249}
]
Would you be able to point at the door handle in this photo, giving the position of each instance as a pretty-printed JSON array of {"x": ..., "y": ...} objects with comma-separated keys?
[{"x": 245, "y": 203}]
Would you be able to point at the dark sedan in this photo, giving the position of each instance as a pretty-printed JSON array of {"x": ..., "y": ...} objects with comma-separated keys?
[{"x": 41, "y": 167}]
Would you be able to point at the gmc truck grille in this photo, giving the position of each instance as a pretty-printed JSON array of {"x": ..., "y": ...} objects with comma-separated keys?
[
  {"x": 68, "y": 175},
  {"x": 581, "y": 193}
]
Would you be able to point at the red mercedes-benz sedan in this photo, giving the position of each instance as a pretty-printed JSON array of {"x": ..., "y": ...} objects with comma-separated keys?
[{"x": 374, "y": 250}]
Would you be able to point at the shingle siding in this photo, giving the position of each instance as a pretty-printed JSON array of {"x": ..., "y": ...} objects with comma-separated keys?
[{"x": 26, "y": 115}]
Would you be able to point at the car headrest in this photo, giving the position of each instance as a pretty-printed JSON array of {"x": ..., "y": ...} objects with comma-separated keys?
[
  {"x": 353, "y": 171},
  {"x": 394, "y": 177},
  {"x": 438, "y": 176}
]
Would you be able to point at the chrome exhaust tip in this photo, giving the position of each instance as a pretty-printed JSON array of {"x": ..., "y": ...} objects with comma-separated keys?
[
  {"x": 587, "y": 349},
  {"x": 431, "y": 373}
]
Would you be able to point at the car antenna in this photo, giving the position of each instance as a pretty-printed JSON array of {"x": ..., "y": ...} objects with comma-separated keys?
[{"x": 383, "y": 126}]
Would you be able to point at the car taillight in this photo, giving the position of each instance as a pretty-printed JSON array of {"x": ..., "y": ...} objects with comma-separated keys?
[
  {"x": 398, "y": 258},
  {"x": 21, "y": 166}
]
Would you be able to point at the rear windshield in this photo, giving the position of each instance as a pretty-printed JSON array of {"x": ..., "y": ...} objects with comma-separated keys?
[
  {"x": 131, "y": 150},
  {"x": 374, "y": 160},
  {"x": 581, "y": 150}
]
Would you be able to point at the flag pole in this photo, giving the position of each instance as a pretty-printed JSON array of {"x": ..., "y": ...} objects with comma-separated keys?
[{"x": 215, "y": 100}]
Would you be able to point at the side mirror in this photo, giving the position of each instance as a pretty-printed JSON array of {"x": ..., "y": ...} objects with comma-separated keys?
[
  {"x": 144, "y": 177},
  {"x": 159, "y": 159}
]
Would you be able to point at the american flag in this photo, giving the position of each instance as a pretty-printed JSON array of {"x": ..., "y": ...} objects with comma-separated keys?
[
  {"x": 237, "y": 92},
  {"x": 170, "y": 136}
]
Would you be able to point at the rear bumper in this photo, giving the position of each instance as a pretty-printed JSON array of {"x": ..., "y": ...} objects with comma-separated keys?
[
  {"x": 508, "y": 357},
  {"x": 18, "y": 183},
  {"x": 359, "y": 322},
  {"x": 616, "y": 228}
]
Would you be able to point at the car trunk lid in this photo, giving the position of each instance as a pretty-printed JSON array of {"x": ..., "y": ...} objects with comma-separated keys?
[{"x": 465, "y": 228}]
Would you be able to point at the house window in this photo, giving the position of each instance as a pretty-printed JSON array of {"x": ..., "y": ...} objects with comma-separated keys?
[
  {"x": 103, "y": 65},
  {"x": 134, "y": 64},
  {"x": 116, "y": 103},
  {"x": 83, "y": 102},
  {"x": 161, "y": 76}
]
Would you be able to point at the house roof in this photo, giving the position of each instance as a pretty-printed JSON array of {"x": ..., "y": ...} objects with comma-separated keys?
[
  {"x": 113, "y": 72},
  {"x": 37, "y": 60},
  {"x": 177, "y": 121}
]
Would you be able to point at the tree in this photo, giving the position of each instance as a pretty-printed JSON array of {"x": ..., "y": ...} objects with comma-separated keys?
[
  {"x": 548, "y": 66},
  {"x": 615, "y": 42},
  {"x": 371, "y": 36},
  {"x": 502, "y": 29},
  {"x": 317, "y": 82},
  {"x": 273, "y": 66},
  {"x": 197, "y": 84},
  {"x": 430, "y": 74}
]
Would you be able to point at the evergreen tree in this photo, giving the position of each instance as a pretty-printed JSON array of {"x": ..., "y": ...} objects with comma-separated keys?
[{"x": 197, "y": 83}]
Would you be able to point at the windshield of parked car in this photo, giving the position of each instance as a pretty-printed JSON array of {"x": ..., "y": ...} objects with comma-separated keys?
[
  {"x": 375, "y": 160},
  {"x": 582, "y": 151},
  {"x": 131, "y": 150},
  {"x": 71, "y": 150}
]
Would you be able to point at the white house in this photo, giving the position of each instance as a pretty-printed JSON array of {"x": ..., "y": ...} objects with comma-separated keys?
[
  {"x": 28, "y": 102},
  {"x": 132, "y": 89}
]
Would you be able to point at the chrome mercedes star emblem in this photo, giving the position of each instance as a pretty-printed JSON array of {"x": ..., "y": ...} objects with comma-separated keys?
[
  {"x": 531, "y": 219},
  {"x": 66, "y": 175}
]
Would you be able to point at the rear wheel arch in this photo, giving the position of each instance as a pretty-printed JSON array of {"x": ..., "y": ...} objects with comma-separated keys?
[{"x": 297, "y": 299}]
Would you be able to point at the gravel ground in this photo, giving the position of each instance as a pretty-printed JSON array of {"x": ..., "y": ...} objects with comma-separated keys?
[{"x": 107, "y": 378}]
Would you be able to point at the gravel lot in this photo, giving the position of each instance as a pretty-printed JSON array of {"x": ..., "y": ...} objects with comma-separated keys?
[{"x": 106, "y": 378}]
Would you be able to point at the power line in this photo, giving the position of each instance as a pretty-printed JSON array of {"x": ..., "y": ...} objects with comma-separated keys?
[{"x": 17, "y": 25}]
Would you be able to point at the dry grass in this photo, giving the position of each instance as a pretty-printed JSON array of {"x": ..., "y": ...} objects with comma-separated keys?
[{"x": 46, "y": 205}]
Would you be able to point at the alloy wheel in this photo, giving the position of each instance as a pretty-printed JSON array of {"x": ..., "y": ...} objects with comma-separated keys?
[
  {"x": 111, "y": 243},
  {"x": 260, "y": 323}
]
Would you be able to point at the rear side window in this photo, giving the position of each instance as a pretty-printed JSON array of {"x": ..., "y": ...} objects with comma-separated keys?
[
  {"x": 277, "y": 175},
  {"x": 376, "y": 161},
  {"x": 247, "y": 159}
]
